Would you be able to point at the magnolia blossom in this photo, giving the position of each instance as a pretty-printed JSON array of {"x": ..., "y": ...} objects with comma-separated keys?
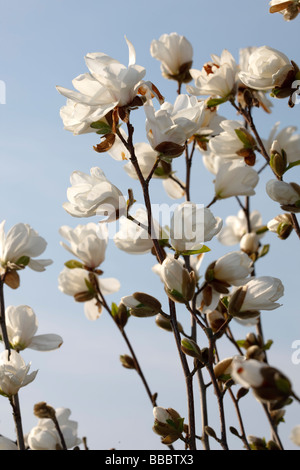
[
  {"x": 107, "y": 85},
  {"x": 93, "y": 194},
  {"x": 285, "y": 140},
  {"x": 258, "y": 95},
  {"x": 282, "y": 224},
  {"x": 247, "y": 373},
  {"x": 233, "y": 267},
  {"x": 75, "y": 281},
  {"x": 284, "y": 193},
  {"x": 191, "y": 226},
  {"x": 173, "y": 124},
  {"x": 217, "y": 77},
  {"x": 179, "y": 283},
  {"x": 267, "y": 69},
  {"x": 77, "y": 117},
  {"x": 44, "y": 436},
  {"x": 13, "y": 373},
  {"x": 134, "y": 238},
  {"x": 236, "y": 227},
  {"x": 175, "y": 53},
  {"x": 22, "y": 325},
  {"x": 19, "y": 243},
  {"x": 228, "y": 143},
  {"x": 295, "y": 435},
  {"x": 289, "y": 10},
  {"x": 262, "y": 294},
  {"x": 86, "y": 242},
  {"x": 234, "y": 178}
]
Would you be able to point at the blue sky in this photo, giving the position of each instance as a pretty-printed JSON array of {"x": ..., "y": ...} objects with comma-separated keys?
[{"x": 43, "y": 44}]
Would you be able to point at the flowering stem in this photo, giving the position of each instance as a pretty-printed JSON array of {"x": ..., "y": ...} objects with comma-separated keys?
[
  {"x": 14, "y": 400},
  {"x": 61, "y": 437}
]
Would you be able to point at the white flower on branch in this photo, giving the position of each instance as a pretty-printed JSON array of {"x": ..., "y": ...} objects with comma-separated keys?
[
  {"x": 93, "y": 194},
  {"x": 191, "y": 226},
  {"x": 13, "y": 373},
  {"x": 267, "y": 69},
  {"x": 175, "y": 53},
  {"x": 171, "y": 126},
  {"x": 216, "y": 78},
  {"x": 233, "y": 267},
  {"x": 261, "y": 293},
  {"x": 107, "y": 85},
  {"x": 22, "y": 325},
  {"x": 236, "y": 227},
  {"x": 287, "y": 194},
  {"x": 234, "y": 178},
  {"x": 286, "y": 140},
  {"x": 86, "y": 242},
  {"x": 75, "y": 282},
  {"x": 179, "y": 282},
  {"x": 20, "y": 246},
  {"x": 233, "y": 142},
  {"x": 44, "y": 436},
  {"x": 133, "y": 237},
  {"x": 295, "y": 435}
]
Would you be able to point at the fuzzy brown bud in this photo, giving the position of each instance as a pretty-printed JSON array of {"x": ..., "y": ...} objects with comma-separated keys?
[{"x": 42, "y": 410}]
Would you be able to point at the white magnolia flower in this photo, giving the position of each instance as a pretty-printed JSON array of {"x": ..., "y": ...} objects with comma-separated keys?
[
  {"x": 260, "y": 96},
  {"x": 247, "y": 373},
  {"x": 282, "y": 224},
  {"x": 22, "y": 241},
  {"x": 13, "y": 373},
  {"x": 295, "y": 435},
  {"x": 179, "y": 283},
  {"x": 234, "y": 267},
  {"x": 44, "y": 436},
  {"x": 74, "y": 281},
  {"x": 289, "y": 10},
  {"x": 211, "y": 161},
  {"x": 282, "y": 192},
  {"x": 22, "y": 325},
  {"x": 173, "y": 123},
  {"x": 175, "y": 53},
  {"x": 77, "y": 117},
  {"x": 7, "y": 444},
  {"x": 234, "y": 178},
  {"x": 191, "y": 226},
  {"x": 267, "y": 69},
  {"x": 93, "y": 194},
  {"x": 217, "y": 77},
  {"x": 146, "y": 157},
  {"x": 249, "y": 243},
  {"x": 285, "y": 140},
  {"x": 86, "y": 242},
  {"x": 262, "y": 294},
  {"x": 236, "y": 227},
  {"x": 134, "y": 238},
  {"x": 107, "y": 85},
  {"x": 228, "y": 144}
]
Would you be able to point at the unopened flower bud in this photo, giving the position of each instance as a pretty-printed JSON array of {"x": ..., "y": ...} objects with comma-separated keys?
[
  {"x": 168, "y": 424},
  {"x": 84, "y": 296},
  {"x": 120, "y": 315},
  {"x": 127, "y": 362},
  {"x": 223, "y": 367},
  {"x": 282, "y": 225},
  {"x": 249, "y": 243},
  {"x": 215, "y": 320},
  {"x": 42, "y": 410},
  {"x": 278, "y": 159},
  {"x": 73, "y": 263},
  {"x": 165, "y": 323},
  {"x": 255, "y": 352},
  {"x": 189, "y": 347},
  {"x": 142, "y": 305},
  {"x": 179, "y": 282},
  {"x": 256, "y": 443}
]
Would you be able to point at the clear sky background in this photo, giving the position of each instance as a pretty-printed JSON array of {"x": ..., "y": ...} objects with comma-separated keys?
[{"x": 43, "y": 44}]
